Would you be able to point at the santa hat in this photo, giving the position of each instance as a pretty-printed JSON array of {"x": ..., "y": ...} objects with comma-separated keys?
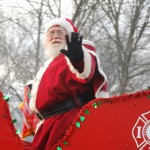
[{"x": 64, "y": 23}]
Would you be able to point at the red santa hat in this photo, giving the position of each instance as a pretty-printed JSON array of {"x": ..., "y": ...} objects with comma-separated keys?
[{"x": 64, "y": 23}]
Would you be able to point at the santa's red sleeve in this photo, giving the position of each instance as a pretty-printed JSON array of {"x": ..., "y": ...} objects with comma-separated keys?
[{"x": 88, "y": 69}]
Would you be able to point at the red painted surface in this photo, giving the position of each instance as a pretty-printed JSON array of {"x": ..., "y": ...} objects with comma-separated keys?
[
  {"x": 121, "y": 123},
  {"x": 8, "y": 137}
]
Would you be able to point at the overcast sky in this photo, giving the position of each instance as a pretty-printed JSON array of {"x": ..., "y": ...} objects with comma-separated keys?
[{"x": 66, "y": 6}]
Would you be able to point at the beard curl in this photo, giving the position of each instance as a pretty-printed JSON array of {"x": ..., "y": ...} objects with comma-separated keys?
[{"x": 53, "y": 49}]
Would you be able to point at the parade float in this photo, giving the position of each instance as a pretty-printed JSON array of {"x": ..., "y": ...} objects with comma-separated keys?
[{"x": 117, "y": 123}]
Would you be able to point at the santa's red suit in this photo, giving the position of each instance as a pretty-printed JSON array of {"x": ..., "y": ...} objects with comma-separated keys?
[{"x": 60, "y": 80}]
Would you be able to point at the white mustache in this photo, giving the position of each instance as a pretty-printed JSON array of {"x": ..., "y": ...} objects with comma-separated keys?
[{"x": 56, "y": 41}]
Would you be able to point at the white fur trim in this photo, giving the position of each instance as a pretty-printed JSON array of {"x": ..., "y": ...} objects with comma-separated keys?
[
  {"x": 29, "y": 82},
  {"x": 87, "y": 65},
  {"x": 62, "y": 22},
  {"x": 102, "y": 94},
  {"x": 32, "y": 103},
  {"x": 38, "y": 125},
  {"x": 88, "y": 42},
  {"x": 98, "y": 93}
]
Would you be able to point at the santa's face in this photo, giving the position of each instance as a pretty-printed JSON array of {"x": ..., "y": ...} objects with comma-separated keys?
[{"x": 55, "y": 41}]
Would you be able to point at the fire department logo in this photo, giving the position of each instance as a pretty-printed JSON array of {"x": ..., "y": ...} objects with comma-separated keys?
[{"x": 141, "y": 131}]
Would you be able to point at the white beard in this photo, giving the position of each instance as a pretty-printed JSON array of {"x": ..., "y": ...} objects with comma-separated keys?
[{"x": 53, "y": 50}]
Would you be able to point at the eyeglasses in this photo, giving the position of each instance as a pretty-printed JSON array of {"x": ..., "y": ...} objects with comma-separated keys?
[{"x": 59, "y": 33}]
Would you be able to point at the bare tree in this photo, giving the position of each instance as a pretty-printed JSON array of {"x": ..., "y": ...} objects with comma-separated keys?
[{"x": 125, "y": 25}]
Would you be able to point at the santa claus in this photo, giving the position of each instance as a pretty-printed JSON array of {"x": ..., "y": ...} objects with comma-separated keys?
[{"x": 70, "y": 78}]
